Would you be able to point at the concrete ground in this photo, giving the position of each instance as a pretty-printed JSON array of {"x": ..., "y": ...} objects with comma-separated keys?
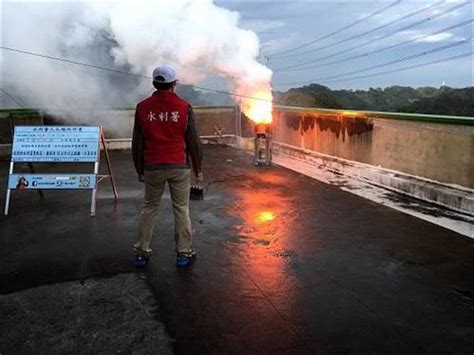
[
  {"x": 285, "y": 264},
  {"x": 109, "y": 315}
]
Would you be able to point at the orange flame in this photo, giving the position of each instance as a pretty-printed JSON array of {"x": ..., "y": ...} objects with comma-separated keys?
[{"x": 259, "y": 111}]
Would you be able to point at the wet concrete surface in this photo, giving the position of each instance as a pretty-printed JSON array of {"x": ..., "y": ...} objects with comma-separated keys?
[{"x": 285, "y": 264}]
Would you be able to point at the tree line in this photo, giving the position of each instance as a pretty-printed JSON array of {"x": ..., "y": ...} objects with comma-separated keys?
[{"x": 428, "y": 100}]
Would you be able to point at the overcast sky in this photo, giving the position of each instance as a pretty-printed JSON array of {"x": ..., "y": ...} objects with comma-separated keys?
[{"x": 285, "y": 25}]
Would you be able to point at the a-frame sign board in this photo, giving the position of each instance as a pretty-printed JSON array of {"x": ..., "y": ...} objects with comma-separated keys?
[{"x": 58, "y": 144}]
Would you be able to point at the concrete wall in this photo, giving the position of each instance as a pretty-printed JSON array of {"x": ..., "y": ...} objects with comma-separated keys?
[
  {"x": 217, "y": 120},
  {"x": 119, "y": 123},
  {"x": 437, "y": 151},
  {"x": 11, "y": 118},
  {"x": 213, "y": 120}
]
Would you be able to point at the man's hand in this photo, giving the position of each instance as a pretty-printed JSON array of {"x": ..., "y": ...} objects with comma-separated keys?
[
  {"x": 141, "y": 177},
  {"x": 199, "y": 177}
]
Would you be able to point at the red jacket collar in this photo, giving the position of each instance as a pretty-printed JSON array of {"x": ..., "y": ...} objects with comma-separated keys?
[{"x": 164, "y": 94}]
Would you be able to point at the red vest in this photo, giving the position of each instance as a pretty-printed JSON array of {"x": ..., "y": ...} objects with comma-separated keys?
[{"x": 163, "y": 120}]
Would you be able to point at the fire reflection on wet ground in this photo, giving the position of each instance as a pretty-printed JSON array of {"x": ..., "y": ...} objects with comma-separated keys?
[{"x": 265, "y": 215}]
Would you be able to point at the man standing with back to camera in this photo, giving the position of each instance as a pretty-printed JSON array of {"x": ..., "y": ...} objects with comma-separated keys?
[{"x": 164, "y": 144}]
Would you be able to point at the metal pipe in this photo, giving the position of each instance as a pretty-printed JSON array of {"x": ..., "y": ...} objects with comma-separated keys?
[{"x": 263, "y": 145}]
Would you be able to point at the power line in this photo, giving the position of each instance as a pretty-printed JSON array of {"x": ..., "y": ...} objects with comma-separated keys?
[
  {"x": 64, "y": 60},
  {"x": 380, "y": 37},
  {"x": 337, "y": 31},
  {"x": 422, "y": 54},
  {"x": 467, "y": 54},
  {"x": 381, "y": 49},
  {"x": 366, "y": 32},
  {"x": 12, "y": 98}
]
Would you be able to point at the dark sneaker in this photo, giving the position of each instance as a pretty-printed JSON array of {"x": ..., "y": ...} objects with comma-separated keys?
[
  {"x": 141, "y": 261},
  {"x": 185, "y": 259}
]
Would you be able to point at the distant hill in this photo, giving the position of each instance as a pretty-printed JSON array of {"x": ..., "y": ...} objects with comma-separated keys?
[
  {"x": 445, "y": 100},
  {"x": 309, "y": 96}
]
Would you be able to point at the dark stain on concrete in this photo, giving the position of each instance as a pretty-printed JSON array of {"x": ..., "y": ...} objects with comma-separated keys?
[
  {"x": 339, "y": 125},
  {"x": 421, "y": 206}
]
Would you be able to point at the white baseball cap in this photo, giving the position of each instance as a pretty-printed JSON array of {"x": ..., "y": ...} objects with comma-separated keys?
[{"x": 164, "y": 74}]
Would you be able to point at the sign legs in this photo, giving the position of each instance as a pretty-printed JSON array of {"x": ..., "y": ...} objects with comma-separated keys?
[
  {"x": 7, "y": 198},
  {"x": 94, "y": 191},
  {"x": 109, "y": 165},
  {"x": 7, "y": 202}
]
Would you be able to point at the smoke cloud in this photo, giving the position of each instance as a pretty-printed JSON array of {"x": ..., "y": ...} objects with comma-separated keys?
[{"x": 200, "y": 39}]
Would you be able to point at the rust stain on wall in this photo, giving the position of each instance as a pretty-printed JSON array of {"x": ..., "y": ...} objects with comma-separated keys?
[{"x": 338, "y": 125}]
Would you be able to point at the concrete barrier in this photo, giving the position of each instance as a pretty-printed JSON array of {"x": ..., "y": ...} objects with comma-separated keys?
[
  {"x": 437, "y": 151},
  {"x": 423, "y": 156}
]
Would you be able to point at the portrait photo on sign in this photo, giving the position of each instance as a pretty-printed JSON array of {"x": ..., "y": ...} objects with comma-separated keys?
[{"x": 22, "y": 183}]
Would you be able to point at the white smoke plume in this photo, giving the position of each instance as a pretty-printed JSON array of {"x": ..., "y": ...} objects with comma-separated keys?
[{"x": 200, "y": 39}]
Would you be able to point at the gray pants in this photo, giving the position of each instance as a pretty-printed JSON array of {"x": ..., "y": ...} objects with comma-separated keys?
[{"x": 179, "y": 181}]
